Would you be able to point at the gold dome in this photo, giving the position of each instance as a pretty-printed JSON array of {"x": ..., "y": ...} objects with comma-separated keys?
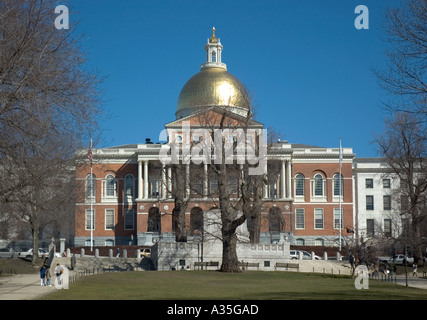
[{"x": 212, "y": 87}]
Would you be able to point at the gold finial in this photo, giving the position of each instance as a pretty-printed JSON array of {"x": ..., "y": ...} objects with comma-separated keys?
[{"x": 213, "y": 39}]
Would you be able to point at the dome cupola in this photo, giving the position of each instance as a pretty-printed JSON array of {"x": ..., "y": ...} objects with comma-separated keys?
[{"x": 213, "y": 86}]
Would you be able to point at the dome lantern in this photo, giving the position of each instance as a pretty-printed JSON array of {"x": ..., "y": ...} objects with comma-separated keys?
[{"x": 213, "y": 53}]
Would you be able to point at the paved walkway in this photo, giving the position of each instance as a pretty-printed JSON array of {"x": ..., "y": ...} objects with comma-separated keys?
[
  {"x": 23, "y": 287},
  {"x": 412, "y": 281}
]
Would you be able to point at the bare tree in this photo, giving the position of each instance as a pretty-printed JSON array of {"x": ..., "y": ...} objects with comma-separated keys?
[
  {"x": 405, "y": 151},
  {"x": 49, "y": 104},
  {"x": 404, "y": 78},
  {"x": 181, "y": 197},
  {"x": 239, "y": 191}
]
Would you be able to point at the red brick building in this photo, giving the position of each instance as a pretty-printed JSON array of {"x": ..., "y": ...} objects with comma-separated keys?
[{"x": 131, "y": 193}]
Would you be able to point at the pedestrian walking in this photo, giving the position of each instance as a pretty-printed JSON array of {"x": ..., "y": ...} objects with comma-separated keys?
[
  {"x": 58, "y": 272},
  {"x": 48, "y": 276},
  {"x": 414, "y": 270},
  {"x": 117, "y": 253},
  {"x": 42, "y": 275}
]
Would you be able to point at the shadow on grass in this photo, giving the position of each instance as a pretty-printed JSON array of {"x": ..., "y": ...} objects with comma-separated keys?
[{"x": 208, "y": 285}]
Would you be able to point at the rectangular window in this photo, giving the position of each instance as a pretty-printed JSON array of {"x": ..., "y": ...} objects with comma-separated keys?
[
  {"x": 370, "y": 227},
  {"x": 318, "y": 218},
  {"x": 232, "y": 185},
  {"x": 386, "y": 183},
  {"x": 109, "y": 219},
  {"x": 129, "y": 186},
  {"x": 387, "y": 202},
  {"x": 129, "y": 219},
  {"x": 369, "y": 202},
  {"x": 272, "y": 189},
  {"x": 299, "y": 218},
  {"x": 338, "y": 185},
  {"x": 197, "y": 187},
  {"x": 155, "y": 186},
  {"x": 369, "y": 183},
  {"x": 109, "y": 243},
  {"x": 337, "y": 218},
  {"x": 318, "y": 186},
  {"x": 213, "y": 185},
  {"x": 88, "y": 218},
  {"x": 387, "y": 227},
  {"x": 109, "y": 188}
]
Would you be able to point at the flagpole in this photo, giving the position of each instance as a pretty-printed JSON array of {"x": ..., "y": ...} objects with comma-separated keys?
[{"x": 340, "y": 212}]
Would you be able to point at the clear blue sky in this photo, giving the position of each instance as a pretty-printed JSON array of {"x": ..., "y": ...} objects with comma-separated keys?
[{"x": 306, "y": 65}]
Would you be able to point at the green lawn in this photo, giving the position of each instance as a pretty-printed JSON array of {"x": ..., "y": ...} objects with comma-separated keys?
[{"x": 210, "y": 285}]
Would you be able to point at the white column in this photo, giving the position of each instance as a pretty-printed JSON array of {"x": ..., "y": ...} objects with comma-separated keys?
[
  {"x": 163, "y": 181},
  {"x": 187, "y": 180},
  {"x": 288, "y": 179},
  {"x": 146, "y": 179},
  {"x": 283, "y": 181},
  {"x": 169, "y": 182},
  {"x": 140, "y": 183}
]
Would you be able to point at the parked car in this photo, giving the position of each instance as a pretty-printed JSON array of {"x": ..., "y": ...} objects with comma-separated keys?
[
  {"x": 29, "y": 253},
  {"x": 398, "y": 259},
  {"x": 305, "y": 255}
]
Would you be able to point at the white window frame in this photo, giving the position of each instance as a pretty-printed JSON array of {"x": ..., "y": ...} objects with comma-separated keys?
[
  {"x": 301, "y": 213},
  {"x": 299, "y": 197},
  {"x": 337, "y": 217},
  {"x": 131, "y": 213},
  {"x": 319, "y": 198},
  {"x": 336, "y": 197},
  {"x": 319, "y": 211},
  {"x": 108, "y": 212},
  {"x": 319, "y": 242},
  {"x": 89, "y": 188},
  {"x": 299, "y": 242},
  {"x": 129, "y": 177},
  {"x": 105, "y": 196},
  {"x": 87, "y": 219}
]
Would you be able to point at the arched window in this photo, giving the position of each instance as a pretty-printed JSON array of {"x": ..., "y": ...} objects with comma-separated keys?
[
  {"x": 318, "y": 185},
  {"x": 299, "y": 185},
  {"x": 129, "y": 185},
  {"x": 319, "y": 242},
  {"x": 213, "y": 56},
  {"x": 110, "y": 186},
  {"x": 154, "y": 220},
  {"x": 90, "y": 186},
  {"x": 299, "y": 242},
  {"x": 336, "y": 181},
  {"x": 275, "y": 219},
  {"x": 196, "y": 220}
]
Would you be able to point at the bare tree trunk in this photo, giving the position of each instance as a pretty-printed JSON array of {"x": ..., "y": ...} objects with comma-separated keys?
[
  {"x": 230, "y": 261},
  {"x": 179, "y": 193}
]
